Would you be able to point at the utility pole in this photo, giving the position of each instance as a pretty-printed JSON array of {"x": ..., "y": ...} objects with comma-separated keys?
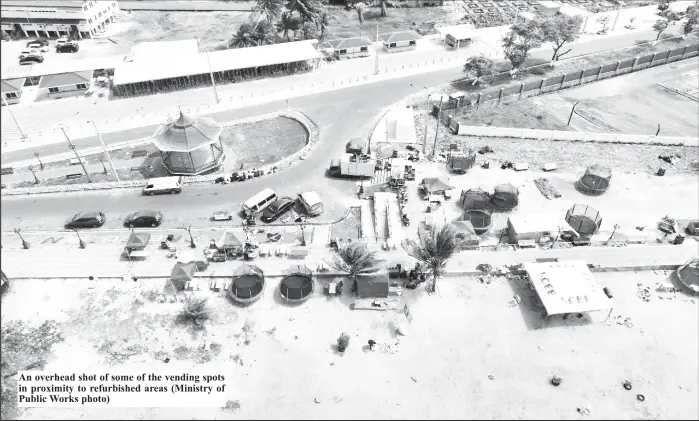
[
  {"x": 104, "y": 146},
  {"x": 434, "y": 148},
  {"x": 616, "y": 18},
  {"x": 376, "y": 70},
  {"x": 21, "y": 133},
  {"x": 424, "y": 141},
  {"x": 571, "y": 113},
  {"x": 658, "y": 132},
  {"x": 211, "y": 73},
  {"x": 72, "y": 147}
]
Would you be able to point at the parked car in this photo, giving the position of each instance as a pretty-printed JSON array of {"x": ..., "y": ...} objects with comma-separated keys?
[
  {"x": 222, "y": 216},
  {"x": 86, "y": 220},
  {"x": 277, "y": 209},
  {"x": 65, "y": 41},
  {"x": 29, "y": 52},
  {"x": 163, "y": 185},
  {"x": 32, "y": 58},
  {"x": 67, "y": 48},
  {"x": 143, "y": 219},
  {"x": 38, "y": 43}
]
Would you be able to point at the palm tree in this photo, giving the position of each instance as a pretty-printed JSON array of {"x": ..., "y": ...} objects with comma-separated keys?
[
  {"x": 355, "y": 260},
  {"x": 308, "y": 10},
  {"x": 435, "y": 245},
  {"x": 244, "y": 37},
  {"x": 323, "y": 22},
  {"x": 309, "y": 31},
  {"x": 267, "y": 10},
  {"x": 286, "y": 23},
  {"x": 263, "y": 33},
  {"x": 384, "y": 4},
  {"x": 360, "y": 8}
]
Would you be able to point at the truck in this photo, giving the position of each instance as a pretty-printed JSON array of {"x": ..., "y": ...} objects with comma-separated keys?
[{"x": 349, "y": 165}]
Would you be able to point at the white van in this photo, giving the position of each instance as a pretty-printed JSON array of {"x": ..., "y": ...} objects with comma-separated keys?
[
  {"x": 312, "y": 202},
  {"x": 162, "y": 185},
  {"x": 259, "y": 202}
]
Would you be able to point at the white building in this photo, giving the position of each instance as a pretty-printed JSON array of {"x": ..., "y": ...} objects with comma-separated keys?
[{"x": 52, "y": 19}]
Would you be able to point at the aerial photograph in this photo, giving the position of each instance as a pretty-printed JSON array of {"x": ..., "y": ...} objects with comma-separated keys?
[{"x": 345, "y": 209}]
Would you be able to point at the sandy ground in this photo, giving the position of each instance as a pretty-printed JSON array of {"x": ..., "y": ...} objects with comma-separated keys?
[{"x": 491, "y": 360}]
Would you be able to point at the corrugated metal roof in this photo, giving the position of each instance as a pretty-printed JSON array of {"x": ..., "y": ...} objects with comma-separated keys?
[
  {"x": 339, "y": 44},
  {"x": 50, "y": 68},
  {"x": 13, "y": 85},
  {"x": 72, "y": 4},
  {"x": 400, "y": 36},
  {"x": 65, "y": 79},
  {"x": 158, "y": 50}
]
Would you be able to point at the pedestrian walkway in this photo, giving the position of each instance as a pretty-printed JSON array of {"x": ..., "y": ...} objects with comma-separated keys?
[{"x": 39, "y": 120}]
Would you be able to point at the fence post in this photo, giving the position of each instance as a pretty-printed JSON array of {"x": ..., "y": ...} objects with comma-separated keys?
[
  {"x": 500, "y": 96},
  {"x": 541, "y": 86},
  {"x": 599, "y": 72},
  {"x": 618, "y": 63},
  {"x": 521, "y": 90},
  {"x": 686, "y": 47},
  {"x": 633, "y": 66},
  {"x": 582, "y": 73},
  {"x": 668, "y": 57},
  {"x": 478, "y": 101},
  {"x": 652, "y": 59},
  {"x": 563, "y": 80}
]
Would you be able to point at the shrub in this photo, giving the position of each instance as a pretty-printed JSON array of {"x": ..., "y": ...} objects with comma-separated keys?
[
  {"x": 343, "y": 342},
  {"x": 195, "y": 312}
]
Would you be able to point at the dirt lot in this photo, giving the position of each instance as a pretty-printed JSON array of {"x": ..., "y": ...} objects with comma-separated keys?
[
  {"x": 266, "y": 141},
  {"x": 273, "y": 349},
  {"x": 526, "y": 113}
]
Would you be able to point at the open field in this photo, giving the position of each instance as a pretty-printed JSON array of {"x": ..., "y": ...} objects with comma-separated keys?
[
  {"x": 266, "y": 350},
  {"x": 526, "y": 114}
]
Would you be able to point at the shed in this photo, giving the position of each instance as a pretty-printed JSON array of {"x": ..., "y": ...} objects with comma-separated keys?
[
  {"x": 596, "y": 179},
  {"x": 67, "y": 84},
  {"x": 182, "y": 273},
  {"x": 534, "y": 227},
  {"x": 466, "y": 235},
  {"x": 584, "y": 219},
  {"x": 347, "y": 48},
  {"x": 505, "y": 197},
  {"x": 373, "y": 285},
  {"x": 247, "y": 285},
  {"x": 12, "y": 90},
  {"x": 297, "y": 284},
  {"x": 400, "y": 41},
  {"x": 458, "y": 35}
]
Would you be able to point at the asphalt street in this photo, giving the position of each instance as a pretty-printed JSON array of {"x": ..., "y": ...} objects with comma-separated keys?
[{"x": 340, "y": 115}]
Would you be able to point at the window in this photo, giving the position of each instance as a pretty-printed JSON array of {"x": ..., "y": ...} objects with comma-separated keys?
[
  {"x": 343, "y": 51},
  {"x": 81, "y": 85},
  {"x": 364, "y": 49},
  {"x": 11, "y": 95},
  {"x": 85, "y": 8},
  {"x": 412, "y": 43},
  {"x": 99, "y": 15},
  {"x": 90, "y": 5},
  {"x": 391, "y": 45},
  {"x": 53, "y": 90},
  {"x": 89, "y": 21}
]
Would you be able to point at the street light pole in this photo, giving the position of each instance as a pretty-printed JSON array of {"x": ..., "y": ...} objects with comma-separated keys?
[
  {"x": 571, "y": 113},
  {"x": 424, "y": 141},
  {"x": 41, "y": 164},
  {"x": 82, "y": 243},
  {"x": 191, "y": 239},
  {"x": 21, "y": 133},
  {"x": 434, "y": 148},
  {"x": 25, "y": 245},
  {"x": 616, "y": 19},
  {"x": 211, "y": 73},
  {"x": 106, "y": 152},
  {"x": 376, "y": 69},
  {"x": 36, "y": 180},
  {"x": 72, "y": 147}
]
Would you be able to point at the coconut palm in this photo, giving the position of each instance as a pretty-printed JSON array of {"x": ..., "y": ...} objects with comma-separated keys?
[
  {"x": 263, "y": 33},
  {"x": 287, "y": 23},
  {"x": 386, "y": 3},
  {"x": 360, "y": 8},
  {"x": 355, "y": 260},
  {"x": 308, "y": 10},
  {"x": 323, "y": 22},
  {"x": 309, "y": 31},
  {"x": 244, "y": 37},
  {"x": 267, "y": 10},
  {"x": 434, "y": 246}
]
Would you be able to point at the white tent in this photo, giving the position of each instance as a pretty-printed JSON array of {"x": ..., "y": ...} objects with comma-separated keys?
[{"x": 567, "y": 287}]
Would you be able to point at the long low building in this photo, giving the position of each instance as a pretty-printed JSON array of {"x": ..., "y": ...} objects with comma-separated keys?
[{"x": 183, "y": 68}]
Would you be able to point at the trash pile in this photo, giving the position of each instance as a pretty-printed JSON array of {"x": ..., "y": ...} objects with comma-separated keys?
[
  {"x": 665, "y": 289},
  {"x": 620, "y": 320},
  {"x": 643, "y": 292},
  {"x": 390, "y": 348},
  {"x": 546, "y": 188},
  {"x": 485, "y": 149}
]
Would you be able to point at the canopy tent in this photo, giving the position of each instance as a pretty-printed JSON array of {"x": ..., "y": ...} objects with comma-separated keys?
[
  {"x": 229, "y": 240},
  {"x": 584, "y": 219},
  {"x": 688, "y": 274},
  {"x": 480, "y": 219},
  {"x": 137, "y": 240},
  {"x": 474, "y": 199},
  {"x": 465, "y": 234},
  {"x": 248, "y": 284},
  {"x": 505, "y": 197},
  {"x": 596, "y": 179},
  {"x": 459, "y": 162},
  {"x": 356, "y": 145},
  {"x": 182, "y": 273},
  {"x": 187, "y": 134},
  {"x": 435, "y": 185},
  {"x": 373, "y": 285},
  {"x": 297, "y": 283},
  {"x": 566, "y": 287}
]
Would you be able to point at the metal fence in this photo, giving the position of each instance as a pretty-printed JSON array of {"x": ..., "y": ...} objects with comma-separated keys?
[{"x": 528, "y": 89}]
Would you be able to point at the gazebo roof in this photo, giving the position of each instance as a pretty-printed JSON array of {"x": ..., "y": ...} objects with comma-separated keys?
[
  {"x": 183, "y": 271},
  {"x": 435, "y": 185},
  {"x": 186, "y": 134},
  {"x": 138, "y": 239},
  {"x": 229, "y": 240}
]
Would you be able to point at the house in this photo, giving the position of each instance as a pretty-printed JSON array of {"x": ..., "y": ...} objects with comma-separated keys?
[
  {"x": 458, "y": 36},
  {"x": 350, "y": 47},
  {"x": 535, "y": 228},
  {"x": 52, "y": 19},
  {"x": 12, "y": 90},
  {"x": 400, "y": 41},
  {"x": 63, "y": 85}
]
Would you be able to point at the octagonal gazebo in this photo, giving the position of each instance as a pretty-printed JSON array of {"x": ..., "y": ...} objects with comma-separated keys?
[{"x": 190, "y": 146}]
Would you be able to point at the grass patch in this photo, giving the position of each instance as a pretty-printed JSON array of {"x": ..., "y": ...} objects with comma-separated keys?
[{"x": 518, "y": 114}]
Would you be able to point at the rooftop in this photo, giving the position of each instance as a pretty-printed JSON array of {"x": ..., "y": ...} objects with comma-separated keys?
[
  {"x": 13, "y": 85},
  {"x": 400, "y": 36},
  {"x": 65, "y": 4},
  {"x": 355, "y": 42},
  {"x": 65, "y": 79}
]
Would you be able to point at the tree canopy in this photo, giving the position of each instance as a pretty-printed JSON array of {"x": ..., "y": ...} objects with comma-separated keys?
[{"x": 560, "y": 30}]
